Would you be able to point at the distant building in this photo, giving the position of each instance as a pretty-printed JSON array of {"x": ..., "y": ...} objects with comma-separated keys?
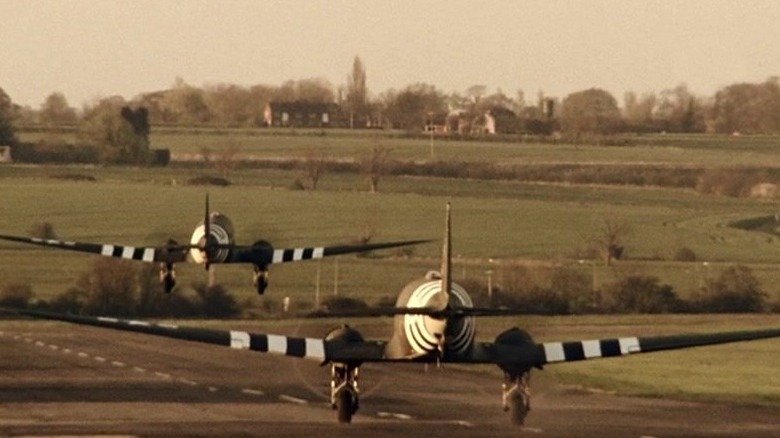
[
  {"x": 299, "y": 114},
  {"x": 5, "y": 154}
]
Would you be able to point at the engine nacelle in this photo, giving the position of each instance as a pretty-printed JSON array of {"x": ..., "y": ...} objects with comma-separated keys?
[
  {"x": 221, "y": 230},
  {"x": 517, "y": 338},
  {"x": 344, "y": 335}
]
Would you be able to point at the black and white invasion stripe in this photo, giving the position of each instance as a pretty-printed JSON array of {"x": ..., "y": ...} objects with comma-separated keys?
[
  {"x": 307, "y": 348},
  {"x": 297, "y": 254},
  {"x": 125, "y": 252},
  {"x": 592, "y": 349}
]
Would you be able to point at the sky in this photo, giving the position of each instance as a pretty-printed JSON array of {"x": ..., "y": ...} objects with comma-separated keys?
[{"x": 91, "y": 49}]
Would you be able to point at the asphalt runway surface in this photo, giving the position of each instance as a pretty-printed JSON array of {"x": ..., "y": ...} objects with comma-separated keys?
[{"x": 64, "y": 380}]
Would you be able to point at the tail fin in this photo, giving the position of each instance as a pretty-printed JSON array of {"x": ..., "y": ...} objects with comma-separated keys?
[
  {"x": 446, "y": 256},
  {"x": 443, "y": 299}
]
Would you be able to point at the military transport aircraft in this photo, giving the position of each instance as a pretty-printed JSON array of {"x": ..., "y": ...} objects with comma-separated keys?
[
  {"x": 434, "y": 323},
  {"x": 212, "y": 242}
]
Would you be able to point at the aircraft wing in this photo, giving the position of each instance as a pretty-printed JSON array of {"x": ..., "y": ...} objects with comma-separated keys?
[
  {"x": 266, "y": 255},
  {"x": 540, "y": 354},
  {"x": 308, "y": 348},
  {"x": 170, "y": 254}
]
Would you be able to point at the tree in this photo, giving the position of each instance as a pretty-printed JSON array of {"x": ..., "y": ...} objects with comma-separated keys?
[
  {"x": 357, "y": 92},
  {"x": 186, "y": 104},
  {"x": 409, "y": 108},
  {"x": 748, "y": 108},
  {"x": 56, "y": 111},
  {"x": 7, "y": 130},
  {"x": 314, "y": 164},
  {"x": 639, "y": 294},
  {"x": 109, "y": 287},
  {"x": 119, "y": 132},
  {"x": 735, "y": 290},
  {"x": 608, "y": 240},
  {"x": 638, "y": 111},
  {"x": 231, "y": 104},
  {"x": 316, "y": 90},
  {"x": 591, "y": 111},
  {"x": 374, "y": 165},
  {"x": 678, "y": 110}
]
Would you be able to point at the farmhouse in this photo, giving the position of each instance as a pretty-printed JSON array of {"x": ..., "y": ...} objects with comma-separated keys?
[
  {"x": 299, "y": 114},
  {"x": 5, "y": 154}
]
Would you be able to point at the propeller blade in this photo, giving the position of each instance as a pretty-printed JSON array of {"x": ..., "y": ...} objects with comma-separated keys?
[{"x": 206, "y": 235}]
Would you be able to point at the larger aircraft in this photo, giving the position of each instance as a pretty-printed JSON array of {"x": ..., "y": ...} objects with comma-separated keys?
[
  {"x": 434, "y": 323},
  {"x": 212, "y": 242}
]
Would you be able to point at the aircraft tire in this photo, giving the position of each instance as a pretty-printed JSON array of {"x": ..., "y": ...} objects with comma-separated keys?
[{"x": 345, "y": 409}]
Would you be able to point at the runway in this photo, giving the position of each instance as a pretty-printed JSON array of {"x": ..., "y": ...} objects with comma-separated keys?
[{"x": 63, "y": 380}]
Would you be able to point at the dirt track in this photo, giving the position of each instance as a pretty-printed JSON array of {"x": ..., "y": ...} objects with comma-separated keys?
[{"x": 58, "y": 379}]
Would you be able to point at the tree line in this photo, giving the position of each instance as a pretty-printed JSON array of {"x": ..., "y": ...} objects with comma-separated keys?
[{"x": 749, "y": 108}]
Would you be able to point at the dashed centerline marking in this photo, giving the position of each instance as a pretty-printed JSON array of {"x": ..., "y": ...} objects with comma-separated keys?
[
  {"x": 82, "y": 354},
  {"x": 252, "y": 391},
  {"x": 396, "y": 415},
  {"x": 291, "y": 399},
  {"x": 100, "y": 359},
  {"x": 188, "y": 382},
  {"x": 139, "y": 369},
  {"x": 163, "y": 375},
  {"x": 117, "y": 363}
]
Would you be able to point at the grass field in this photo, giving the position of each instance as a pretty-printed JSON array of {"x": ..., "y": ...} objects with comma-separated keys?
[
  {"x": 496, "y": 224},
  {"x": 672, "y": 150}
]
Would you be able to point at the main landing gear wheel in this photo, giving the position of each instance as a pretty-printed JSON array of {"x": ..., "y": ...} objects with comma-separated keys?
[
  {"x": 344, "y": 391},
  {"x": 517, "y": 397},
  {"x": 345, "y": 407}
]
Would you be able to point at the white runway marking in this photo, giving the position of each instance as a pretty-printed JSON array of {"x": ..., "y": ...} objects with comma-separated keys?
[
  {"x": 213, "y": 389},
  {"x": 39, "y": 344},
  {"x": 163, "y": 375},
  {"x": 116, "y": 363},
  {"x": 100, "y": 359},
  {"x": 53, "y": 347},
  {"x": 396, "y": 415},
  {"x": 532, "y": 429},
  {"x": 291, "y": 399},
  {"x": 252, "y": 391},
  {"x": 188, "y": 382},
  {"x": 66, "y": 350},
  {"x": 139, "y": 369},
  {"x": 82, "y": 354}
]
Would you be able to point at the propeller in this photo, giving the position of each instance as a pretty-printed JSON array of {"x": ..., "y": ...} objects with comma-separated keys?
[{"x": 207, "y": 239}]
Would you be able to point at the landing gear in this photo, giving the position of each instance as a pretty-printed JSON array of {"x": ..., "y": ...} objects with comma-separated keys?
[
  {"x": 167, "y": 277},
  {"x": 344, "y": 390},
  {"x": 260, "y": 279},
  {"x": 517, "y": 396}
]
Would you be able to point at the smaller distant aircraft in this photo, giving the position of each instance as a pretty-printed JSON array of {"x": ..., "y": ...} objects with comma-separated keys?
[{"x": 212, "y": 242}]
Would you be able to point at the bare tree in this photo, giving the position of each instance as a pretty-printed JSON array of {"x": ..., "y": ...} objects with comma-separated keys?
[
  {"x": 225, "y": 159},
  {"x": 374, "y": 165},
  {"x": 314, "y": 164},
  {"x": 608, "y": 240}
]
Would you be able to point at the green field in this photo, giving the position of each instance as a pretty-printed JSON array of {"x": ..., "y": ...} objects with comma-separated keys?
[{"x": 496, "y": 224}]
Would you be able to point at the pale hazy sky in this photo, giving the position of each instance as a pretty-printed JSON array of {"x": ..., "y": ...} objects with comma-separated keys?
[{"x": 89, "y": 49}]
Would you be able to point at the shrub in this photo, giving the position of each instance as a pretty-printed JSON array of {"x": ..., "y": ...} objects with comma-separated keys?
[
  {"x": 684, "y": 254},
  {"x": 735, "y": 290},
  {"x": 639, "y": 294},
  {"x": 42, "y": 230},
  {"x": 205, "y": 180},
  {"x": 16, "y": 295},
  {"x": 215, "y": 301},
  {"x": 344, "y": 305}
]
